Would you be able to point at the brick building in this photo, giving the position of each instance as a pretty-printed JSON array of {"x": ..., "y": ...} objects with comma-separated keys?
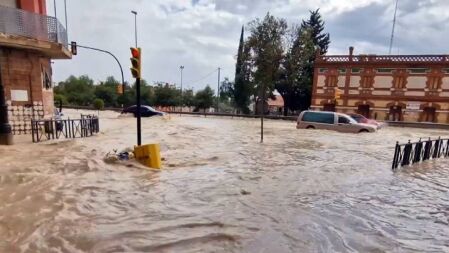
[
  {"x": 400, "y": 88},
  {"x": 29, "y": 40}
]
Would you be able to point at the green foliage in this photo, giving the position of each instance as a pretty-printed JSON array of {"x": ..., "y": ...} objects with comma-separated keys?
[
  {"x": 77, "y": 90},
  {"x": 98, "y": 104},
  {"x": 242, "y": 88},
  {"x": 226, "y": 90},
  {"x": 188, "y": 98},
  {"x": 205, "y": 98},
  {"x": 167, "y": 95},
  {"x": 60, "y": 97},
  {"x": 315, "y": 24},
  {"x": 266, "y": 52}
]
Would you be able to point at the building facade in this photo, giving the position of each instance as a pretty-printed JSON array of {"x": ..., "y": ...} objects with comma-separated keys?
[
  {"x": 29, "y": 40},
  {"x": 411, "y": 88}
]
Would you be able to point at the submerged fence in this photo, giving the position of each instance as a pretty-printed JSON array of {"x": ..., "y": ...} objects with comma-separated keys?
[
  {"x": 43, "y": 130},
  {"x": 416, "y": 152}
]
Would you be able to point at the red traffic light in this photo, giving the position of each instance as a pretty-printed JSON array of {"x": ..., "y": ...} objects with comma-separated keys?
[{"x": 135, "y": 52}]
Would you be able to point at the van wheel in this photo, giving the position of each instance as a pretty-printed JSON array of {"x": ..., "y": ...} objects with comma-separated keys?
[
  {"x": 310, "y": 127},
  {"x": 363, "y": 131}
]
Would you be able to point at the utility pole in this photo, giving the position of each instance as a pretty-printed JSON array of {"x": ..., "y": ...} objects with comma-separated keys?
[
  {"x": 182, "y": 95},
  {"x": 218, "y": 89},
  {"x": 5, "y": 127}
]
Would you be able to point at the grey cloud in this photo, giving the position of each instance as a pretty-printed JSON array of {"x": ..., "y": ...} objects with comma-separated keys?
[{"x": 203, "y": 34}]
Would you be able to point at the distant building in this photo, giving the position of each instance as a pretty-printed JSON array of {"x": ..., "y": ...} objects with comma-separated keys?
[
  {"x": 29, "y": 39},
  {"x": 397, "y": 87},
  {"x": 276, "y": 105},
  {"x": 273, "y": 106}
]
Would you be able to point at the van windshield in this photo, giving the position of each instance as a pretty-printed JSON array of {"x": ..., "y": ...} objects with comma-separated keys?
[{"x": 318, "y": 117}]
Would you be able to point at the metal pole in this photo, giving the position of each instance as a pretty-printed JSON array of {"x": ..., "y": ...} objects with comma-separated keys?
[
  {"x": 107, "y": 52},
  {"x": 5, "y": 127},
  {"x": 182, "y": 95},
  {"x": 263, "y": 111},
  {"x": 65, "y": 10},
  {"x": 135, "y": 24},
  {"x": 54, "y": 7},
  {"x": 218, "y": 89},
  {"x": 139, "y": 129}
]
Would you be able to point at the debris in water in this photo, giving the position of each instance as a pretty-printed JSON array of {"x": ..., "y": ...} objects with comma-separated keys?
[{"x": 244, "y": 192}]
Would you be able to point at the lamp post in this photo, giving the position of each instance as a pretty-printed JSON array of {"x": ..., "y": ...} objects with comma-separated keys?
[
  {"x": 5, "y": 127},
  {"x": 135, "y": 24}
]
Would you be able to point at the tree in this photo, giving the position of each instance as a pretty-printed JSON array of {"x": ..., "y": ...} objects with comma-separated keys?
[
  {"x": 98, "y": 104},
  {"x": 77, "y": 90},
  {"x": 167, "y": 95},
  {"x": 107, "y": 91},
  {"x": 242, "y": 89},
  {"x": 226, "y": 90},
  {"x": 267, "y": 52},
  {"x": 295, "y": 84},
  {"x": 188, "y": 97},
  {"x": 316, "y": 24},
  {"x": 204, "y": 98}
]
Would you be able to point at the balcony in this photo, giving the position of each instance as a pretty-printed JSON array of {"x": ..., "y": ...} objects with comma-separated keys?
[{"x": 31, "y": 31}]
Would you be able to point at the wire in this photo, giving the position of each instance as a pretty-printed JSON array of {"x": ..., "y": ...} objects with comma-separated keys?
[{"x": 202, "y": 78}]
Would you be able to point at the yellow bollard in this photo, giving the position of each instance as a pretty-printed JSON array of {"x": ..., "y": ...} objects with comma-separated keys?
[{"x": 149, "y": 155}]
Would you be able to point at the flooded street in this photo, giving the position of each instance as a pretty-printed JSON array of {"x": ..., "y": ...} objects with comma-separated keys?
[{"x": 223, "y": 191}]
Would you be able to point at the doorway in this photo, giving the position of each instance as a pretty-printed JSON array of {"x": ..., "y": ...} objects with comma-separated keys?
[
  {"x": 364, "y": 110},
  {"x": 395, "y": 113},
  {"x": 429, "y": 114}
]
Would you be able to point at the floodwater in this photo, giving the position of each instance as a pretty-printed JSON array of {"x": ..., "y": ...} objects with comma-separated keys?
[{"x": 223, "y": 191}]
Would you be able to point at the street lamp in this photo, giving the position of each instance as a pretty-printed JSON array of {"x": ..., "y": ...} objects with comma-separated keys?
[
  {"x": 135, "y": 24},
  {"x": 182, "y": 101}
]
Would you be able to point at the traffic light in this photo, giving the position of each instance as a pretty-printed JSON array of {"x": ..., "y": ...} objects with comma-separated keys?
[
  {"x": 120, "y": 88},
  {"x": 338, "y": 93},
  {"x": 73, "y": 48},
  {"x": 136, "y": 62}
]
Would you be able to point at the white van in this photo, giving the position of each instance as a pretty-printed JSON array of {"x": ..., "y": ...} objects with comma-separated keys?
[{"x": 331, "y": 121}]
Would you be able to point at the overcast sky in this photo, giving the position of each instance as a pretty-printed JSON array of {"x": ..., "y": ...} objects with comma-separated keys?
[{"x": 203, "y": 35}]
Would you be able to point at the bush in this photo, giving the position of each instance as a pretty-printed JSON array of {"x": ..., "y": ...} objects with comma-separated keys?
[
  {"x": 60, "y": 97},
  {"x": 98, "y": 104}
]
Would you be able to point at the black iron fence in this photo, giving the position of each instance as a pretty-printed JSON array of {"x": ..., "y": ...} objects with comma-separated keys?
[
  {"x": 51, "y": 129},
  {"x": 416, "y": 152}
]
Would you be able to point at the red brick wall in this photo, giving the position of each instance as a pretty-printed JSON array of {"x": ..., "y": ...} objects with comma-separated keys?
[
  {"x": 37, "y": 6},
  {"x": 22, "y": 70}
]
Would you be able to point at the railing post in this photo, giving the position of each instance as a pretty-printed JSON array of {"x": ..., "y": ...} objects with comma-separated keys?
[
  {"x": 395, "y": 157},
  {"x": 406, "y": 155}
]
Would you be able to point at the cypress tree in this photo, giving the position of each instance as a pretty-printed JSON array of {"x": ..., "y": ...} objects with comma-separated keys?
[{"x": 241, "y": 86}]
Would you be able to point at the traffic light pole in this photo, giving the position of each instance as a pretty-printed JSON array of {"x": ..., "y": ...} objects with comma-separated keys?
[{"x": 138, "y": 114}]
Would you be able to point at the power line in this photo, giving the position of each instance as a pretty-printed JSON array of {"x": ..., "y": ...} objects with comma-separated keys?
[{"x": 202, "y": 78}]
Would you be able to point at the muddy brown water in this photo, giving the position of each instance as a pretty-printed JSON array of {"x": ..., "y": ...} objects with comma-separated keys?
[{"x": 223, "y": 191}]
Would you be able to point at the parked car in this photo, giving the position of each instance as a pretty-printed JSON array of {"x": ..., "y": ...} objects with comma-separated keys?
[
  {"x": 362, "y": 119},
  {"x": 332, "y": 121},
  {"x": 145, "y": 111}
]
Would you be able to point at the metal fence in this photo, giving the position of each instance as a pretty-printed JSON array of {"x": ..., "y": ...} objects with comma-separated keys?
[
  {"x": 416, "y": 152},
  {"x": 43, "y": 130},
  {"x": 15, "y": 21}
]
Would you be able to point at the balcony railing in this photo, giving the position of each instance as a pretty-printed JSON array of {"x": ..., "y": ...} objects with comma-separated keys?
[
  {"x": 382, "y": 58},
  {"x": 31, "y": 25}
]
